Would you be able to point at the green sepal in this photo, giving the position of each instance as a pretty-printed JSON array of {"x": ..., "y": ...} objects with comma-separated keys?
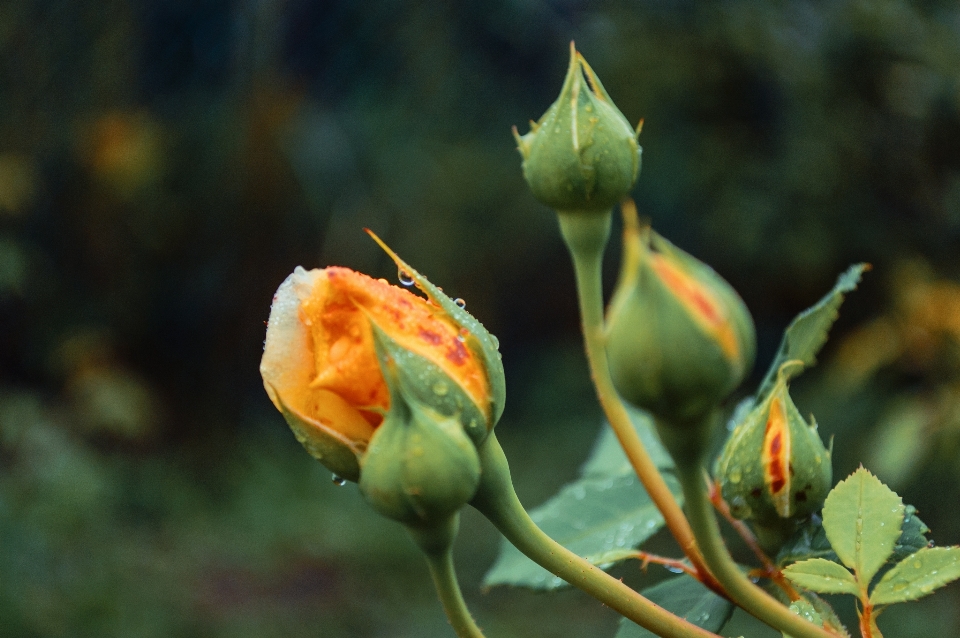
[
  {"x": 476, "y": 337},
  {"x": 333, "y": 450},
  {"x": 582, "y": 155},
  {"x": 422, "y": 382}
]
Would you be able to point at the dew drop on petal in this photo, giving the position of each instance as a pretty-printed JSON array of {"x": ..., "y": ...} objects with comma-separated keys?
[
  {"x": 404, "y": 278},
  {"x": 338, "y": 480},
  {"x": 460, "y": 302}
]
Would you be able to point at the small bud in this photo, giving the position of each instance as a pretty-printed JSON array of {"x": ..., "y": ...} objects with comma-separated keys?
[
  {"x": 421, "y": 467},
  {"x": 774, "y": 465},
  {"x": 321, "y": 369},
  {"x": 582, "y": 155},
  {"x": 679, "y": 338}
]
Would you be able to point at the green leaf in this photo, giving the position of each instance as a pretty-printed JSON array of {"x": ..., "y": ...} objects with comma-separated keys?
[
  {"x": 807, "y": 333},
  {"x": 609, "y": 459},
  {"x": 806, "y": 611},
  {"x": 822, "y": 576},
  {"x": 594, "y": 517},
  {"x": 810, "y": 541},
  {"x": 918, "y": 575},
  {"x": 862, "y": 518},
  {"x": 687, "y": 598},
  {"x": 912, "y": 535}
]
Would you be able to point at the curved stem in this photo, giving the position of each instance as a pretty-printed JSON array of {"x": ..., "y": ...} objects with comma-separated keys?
[
  {"x": 770, "y": 570},
  {"x": 445, "y": 580},
  {"x": 586, "y": 236},
  {"x": 497, "y": 500},
  {"x": 437, "y": 546},
  {"x": 742, "y": 591}
]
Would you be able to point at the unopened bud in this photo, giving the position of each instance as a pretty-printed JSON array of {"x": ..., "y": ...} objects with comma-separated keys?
[
  {"x": 679, "y": 338},
  {"x": 774, "y": 465},
  {"x": 421, "y": 466},
  {"x": 582, "y": 155}
]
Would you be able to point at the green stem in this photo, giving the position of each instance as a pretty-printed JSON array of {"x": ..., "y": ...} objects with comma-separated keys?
[
  {"x": 742, "y": 591},
  {"x": 437, "y": 546},
  {"x": 586, "y": 235},
  {"x": 497, "y": 500}
]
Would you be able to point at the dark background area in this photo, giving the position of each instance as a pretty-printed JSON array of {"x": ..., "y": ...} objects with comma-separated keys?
[{"x": 165, "y": 164}]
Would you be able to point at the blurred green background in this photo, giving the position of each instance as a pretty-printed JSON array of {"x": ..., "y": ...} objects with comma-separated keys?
[{"x": 164, "y": 164}]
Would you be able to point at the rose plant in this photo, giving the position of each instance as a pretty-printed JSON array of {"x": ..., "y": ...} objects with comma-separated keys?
[{"x": 401, "y": 392}]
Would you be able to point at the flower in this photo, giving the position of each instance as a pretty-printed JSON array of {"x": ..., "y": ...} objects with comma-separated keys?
[
  {"x": 679, "y": 338},
  {"x": 321, "y": 367},
  {"x": 582, "y": 155}
]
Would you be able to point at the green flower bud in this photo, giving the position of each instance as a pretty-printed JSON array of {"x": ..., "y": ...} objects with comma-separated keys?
[
  {"x": 679, "y": 338},
  {"x": 582, "y": 155},
  {"x": 421, "y": 466},
  {"x": 774, "y": 465}
]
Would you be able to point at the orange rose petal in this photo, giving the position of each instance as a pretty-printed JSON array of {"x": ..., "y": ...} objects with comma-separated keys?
[{"x": 336, "y": 313}]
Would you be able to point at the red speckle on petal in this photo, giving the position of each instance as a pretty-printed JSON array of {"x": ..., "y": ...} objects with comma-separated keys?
[
  {"x": 430, "y": 336},
  {"x": 775, "y": 444},
  {"x": 776, "y": 454},
  {"x": 457, "y": 353}
]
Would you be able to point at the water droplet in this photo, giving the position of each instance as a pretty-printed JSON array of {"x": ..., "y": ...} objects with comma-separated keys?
[
  {"x": 338, "y": 480},
  {"x": 589, "y": 109},
  {"x": 404, "y": 278},
  {"x": 673, "y": 569},
  {"x": 900, "y": 585},
  {"x": 460, "y": 302},
  {"x": 462, "y": 335},
  {"x": 917, "y": 564},
  {"x": 735, "y": 475},
  {"x": 440, "y": 388}
]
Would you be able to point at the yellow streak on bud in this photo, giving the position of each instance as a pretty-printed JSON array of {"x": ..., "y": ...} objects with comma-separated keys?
[
  {"x": 703, "y": 306},
  {"x": 776, "y": 457}
]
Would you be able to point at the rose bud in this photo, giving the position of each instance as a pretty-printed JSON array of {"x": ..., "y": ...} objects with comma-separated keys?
[
  {"x": 774, "y": 465},
  {"x": 420, "y": 467},
  {"x": 679, "y": 338},
  {"x": 321, "y": 370},
  {"x": 582, "y": 155}
]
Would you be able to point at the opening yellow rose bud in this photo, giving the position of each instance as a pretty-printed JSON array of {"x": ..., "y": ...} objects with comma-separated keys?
[{"x": 320, "y": 365}]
